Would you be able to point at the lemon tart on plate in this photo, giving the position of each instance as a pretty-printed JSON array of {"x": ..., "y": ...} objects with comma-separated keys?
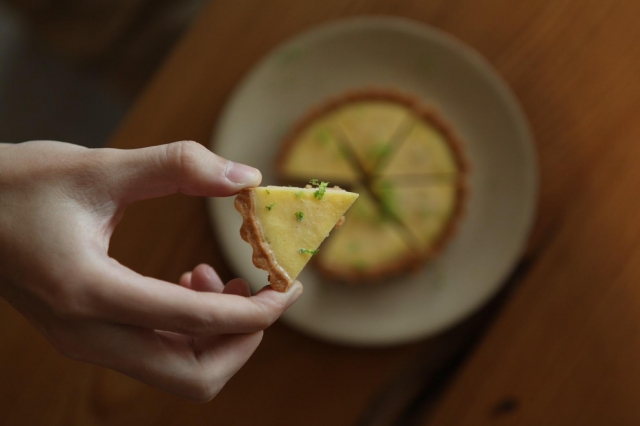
[{"x": 405, "y": 161}]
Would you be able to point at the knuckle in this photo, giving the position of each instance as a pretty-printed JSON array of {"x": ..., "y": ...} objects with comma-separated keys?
[
  {"x": 181, "y": 159},
  {"x": 184, "y": 153}
]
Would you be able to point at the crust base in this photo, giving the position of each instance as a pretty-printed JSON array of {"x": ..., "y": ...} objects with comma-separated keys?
[{"x": 251, "y": 232}]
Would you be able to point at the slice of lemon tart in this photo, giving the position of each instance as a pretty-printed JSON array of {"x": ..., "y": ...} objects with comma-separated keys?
[{"x": 286, "y": 225}]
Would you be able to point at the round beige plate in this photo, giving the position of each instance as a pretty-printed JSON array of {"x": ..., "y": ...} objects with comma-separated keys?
[{"x": 397, "y": 53}]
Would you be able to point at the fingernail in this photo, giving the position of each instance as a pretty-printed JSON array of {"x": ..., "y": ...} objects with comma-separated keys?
[
  {"x": 296, "y": 292},
  {"x": 242, "y": 174}
]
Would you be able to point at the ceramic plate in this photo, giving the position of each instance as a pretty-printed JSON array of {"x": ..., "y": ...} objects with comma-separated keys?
[{"x": 395, "y": 53}]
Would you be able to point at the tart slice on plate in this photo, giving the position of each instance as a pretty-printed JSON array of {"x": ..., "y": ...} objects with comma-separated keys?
[{"x": 286, "y": 225}]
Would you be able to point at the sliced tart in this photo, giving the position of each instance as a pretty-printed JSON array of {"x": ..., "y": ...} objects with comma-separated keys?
[
  {"x": 406, "y": 162},
  {"x": 286, "y": 225}
]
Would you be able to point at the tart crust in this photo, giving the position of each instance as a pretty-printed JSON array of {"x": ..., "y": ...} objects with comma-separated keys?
[{"x": 251, "y": 232}]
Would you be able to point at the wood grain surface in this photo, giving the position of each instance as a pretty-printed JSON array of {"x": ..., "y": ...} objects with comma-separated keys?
[{"x": 564, "y": 348}]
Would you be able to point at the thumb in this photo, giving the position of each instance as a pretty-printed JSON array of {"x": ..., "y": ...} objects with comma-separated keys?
[{"x": 185, "y": 167}]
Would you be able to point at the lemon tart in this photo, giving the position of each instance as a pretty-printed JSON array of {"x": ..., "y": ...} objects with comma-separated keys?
[
  {"x": 286, "y": 225},
  {"x": 405, "y": 161}
]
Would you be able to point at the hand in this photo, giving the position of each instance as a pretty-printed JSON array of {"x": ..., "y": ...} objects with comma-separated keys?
[{"x": 59, "y": 205}]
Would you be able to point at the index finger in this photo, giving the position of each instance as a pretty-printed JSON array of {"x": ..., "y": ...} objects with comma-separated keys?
[{"x": 123, "y": 296}]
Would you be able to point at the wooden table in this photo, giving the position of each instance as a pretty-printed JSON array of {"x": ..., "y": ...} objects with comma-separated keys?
[{"x": 565, "y": 345}]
